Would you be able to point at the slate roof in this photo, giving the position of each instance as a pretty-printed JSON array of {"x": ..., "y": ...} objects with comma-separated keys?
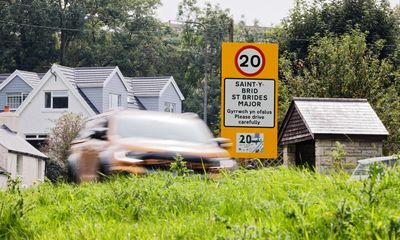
[
  {"x": 92, "y": 75},
  {"x": 68, "y": 73},
  {"x": 31, "y": 77},
  {"x": 147, "y": 86},
  {"x": 16, "y": 143},
  {"x": 339, "y": 116}
]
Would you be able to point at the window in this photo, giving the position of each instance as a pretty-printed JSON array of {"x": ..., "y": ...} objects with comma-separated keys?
[
  {"x": 114, "y": 101},
  {"x": 35, "y": 137},
  {"x": 56, "y": 99},
  {"x": 15, "y": 99},
  {"x": 19, "y": 164},
  {"x": 169, "y": 107}
]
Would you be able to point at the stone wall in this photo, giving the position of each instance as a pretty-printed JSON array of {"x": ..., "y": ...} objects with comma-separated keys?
[
  {"x": 289, "y": 155},
  {"x": 356, "y": 149}
]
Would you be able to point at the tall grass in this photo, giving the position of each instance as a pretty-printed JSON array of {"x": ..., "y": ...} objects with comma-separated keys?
[{"x": 260, "y": 204}]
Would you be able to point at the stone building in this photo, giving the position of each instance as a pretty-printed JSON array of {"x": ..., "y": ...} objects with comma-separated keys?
[{"x": 312, "y": 126}]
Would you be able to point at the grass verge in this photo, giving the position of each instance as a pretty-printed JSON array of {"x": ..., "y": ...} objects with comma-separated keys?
[{"x": 258, "y": 204}]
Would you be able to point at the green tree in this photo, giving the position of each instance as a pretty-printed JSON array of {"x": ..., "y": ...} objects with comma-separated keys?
[
  {"x": 346, "y": 67},
  {"x": 204, "y": 31},
  {"x": 70, "y": 21},
  {"x": 324, "y": 17},
  {"x": 24, "y": 44}
]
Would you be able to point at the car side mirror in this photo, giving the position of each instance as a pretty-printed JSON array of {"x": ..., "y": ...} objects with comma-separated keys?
[
  {"x": 99, "y": 133},
  {"x": 223, "y": 142}
]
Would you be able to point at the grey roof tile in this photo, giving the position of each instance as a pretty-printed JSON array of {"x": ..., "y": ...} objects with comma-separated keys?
[
  {"x": 340, "y": 116},
  {"x": 16, "y": 143},
  {"x": 147, "y": 86},
  {"x": 32, "y": 77},
  {"x": 68, "y": 73},
  {"x": 92, "y": 75}
]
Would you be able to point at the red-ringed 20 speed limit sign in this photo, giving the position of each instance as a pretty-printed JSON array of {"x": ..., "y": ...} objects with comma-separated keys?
[
  {"x": 250, "y": 61},
  {"x": 249, "y": 99}
]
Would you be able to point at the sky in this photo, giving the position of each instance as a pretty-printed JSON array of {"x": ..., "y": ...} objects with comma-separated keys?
[{"x": 267, "y": 12}]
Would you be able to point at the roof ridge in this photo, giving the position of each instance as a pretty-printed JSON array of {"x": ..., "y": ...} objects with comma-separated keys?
[
  {"x": 62, "y": 66},
  {"x": 161, "y": 77},
  {"x": 24, "y": 71},
  {"x": 106, "y": 67},
  {"x": 310, "y": 99}
]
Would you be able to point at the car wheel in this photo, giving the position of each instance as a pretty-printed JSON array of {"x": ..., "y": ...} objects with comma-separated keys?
[
  {"x": 104, "y": 165},
  {"x": 72, "y": 169}
]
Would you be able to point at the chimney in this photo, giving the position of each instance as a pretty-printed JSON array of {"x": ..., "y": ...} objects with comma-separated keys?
[{"x": 6, "y": 108}]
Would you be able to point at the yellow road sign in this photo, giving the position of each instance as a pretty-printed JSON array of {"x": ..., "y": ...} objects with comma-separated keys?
[{"x": 249, "y": 99}]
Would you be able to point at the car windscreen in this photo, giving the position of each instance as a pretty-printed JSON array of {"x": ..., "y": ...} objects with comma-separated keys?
[
  {"x": 362, "y": 169},
  {"x": 162, "y": 128}
]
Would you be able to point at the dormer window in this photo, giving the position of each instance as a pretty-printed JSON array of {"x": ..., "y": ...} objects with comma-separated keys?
[
  {"x": 114, "y": 101},
  {"x": 169, "y": 107},
  {"x": 56, "y": 99}
]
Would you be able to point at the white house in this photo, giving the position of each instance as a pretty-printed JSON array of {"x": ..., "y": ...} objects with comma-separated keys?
[
  {"x": 84, "y": 91},
  {"x": 19, "y": 159}
]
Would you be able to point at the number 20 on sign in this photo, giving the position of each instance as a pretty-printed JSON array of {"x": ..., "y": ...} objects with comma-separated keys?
[{"x": 249, "y": 99}]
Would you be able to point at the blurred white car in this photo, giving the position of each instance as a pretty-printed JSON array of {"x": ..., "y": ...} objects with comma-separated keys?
[
  {"x": 140, "y": 142},
  {"x": 362, "y": 169}
]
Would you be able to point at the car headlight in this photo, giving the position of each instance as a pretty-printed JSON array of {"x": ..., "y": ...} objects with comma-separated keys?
[{"x": 226, "y": 163}]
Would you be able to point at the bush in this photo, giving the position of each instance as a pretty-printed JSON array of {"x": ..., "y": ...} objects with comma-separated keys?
[{"x": 57, "y": 147}]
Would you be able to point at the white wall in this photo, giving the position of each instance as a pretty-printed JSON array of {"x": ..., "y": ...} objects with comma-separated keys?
[
  {"x": 10, "y": 119},
  {"x": 3, "y": 157},
  {"x": 3, "y": 164},
  {"x": 32, "y": 170},
  {"x": 35, "y": 119},
  {"x": 3, "y": 181}
]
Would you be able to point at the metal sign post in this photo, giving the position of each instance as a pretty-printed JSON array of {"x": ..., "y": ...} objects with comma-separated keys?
[{"x": 249, "y": 99}]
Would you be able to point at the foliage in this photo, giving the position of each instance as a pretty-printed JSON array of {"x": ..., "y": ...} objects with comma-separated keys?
[
  {"x": 263, "y": 204},
  {"x": 203, "y": 32},
  {"x": 13, "y": 222},
  {"x": 58, "y": 144},
  {"x": 346, "y": 67},
  {"x": 324, "y": 17},
  {"x": 179, "y": 166},
  {"x": 388, "y": 108},
  {"x": 338, "y": 155},
  {"x": 22, "y": 45}
]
